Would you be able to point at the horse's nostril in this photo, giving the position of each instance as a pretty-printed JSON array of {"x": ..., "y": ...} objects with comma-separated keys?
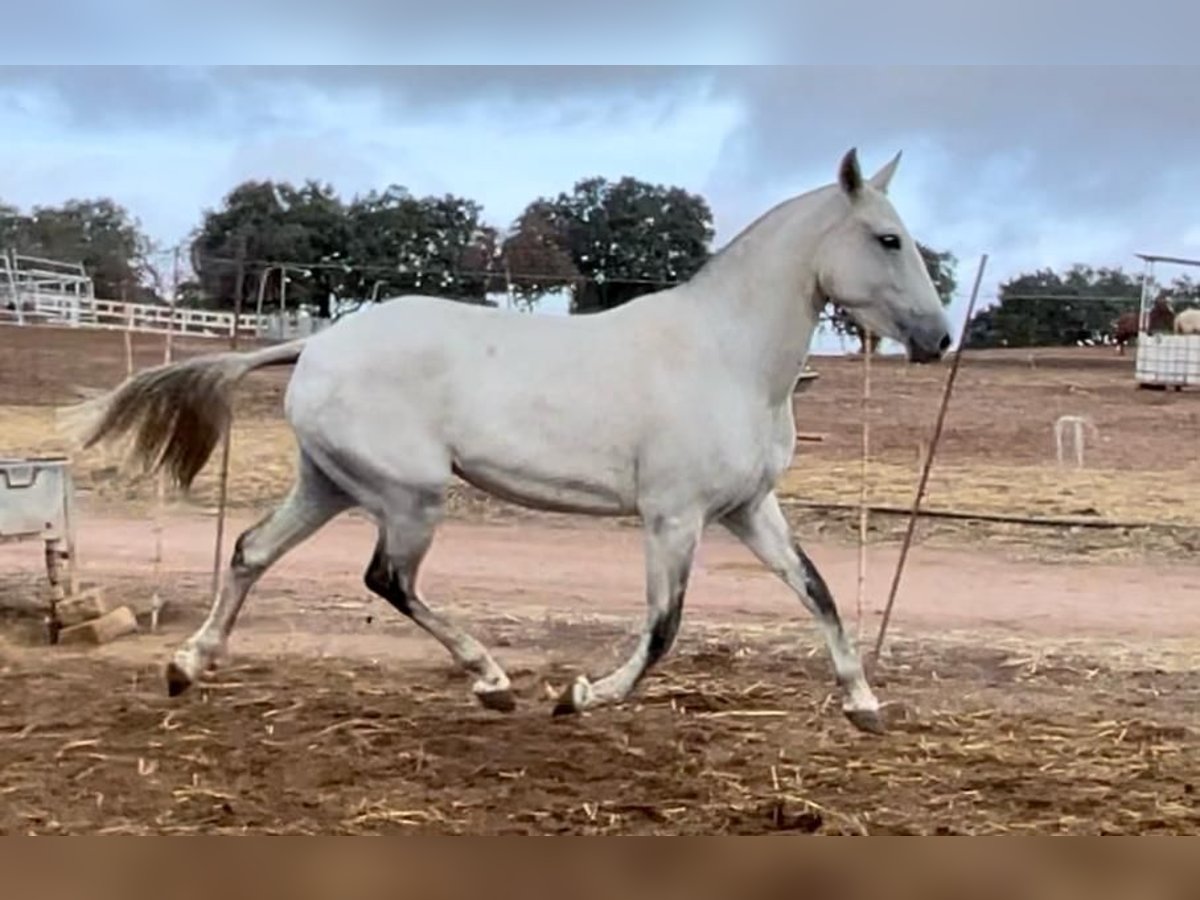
[{"x": 944, "y": 344}]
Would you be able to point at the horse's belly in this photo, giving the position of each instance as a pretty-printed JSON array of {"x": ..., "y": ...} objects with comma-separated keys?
[
  {"x": 553, "y": 442},
  {"x": 557, "y": 491}
]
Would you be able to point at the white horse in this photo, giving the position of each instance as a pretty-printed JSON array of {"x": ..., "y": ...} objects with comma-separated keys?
[
  {"x": 1188, "y": 322},
  {"x": 676, "y": 407}
]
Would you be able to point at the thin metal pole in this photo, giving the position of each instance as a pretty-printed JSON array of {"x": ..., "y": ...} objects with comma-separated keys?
[
  {"x": 924, "y": 480},
  {"x": 863, "y": 505},
  {"x": 160, "y": 490},
  {"x": 128, "y": 310},
  {"x": 223, "y": 482}
]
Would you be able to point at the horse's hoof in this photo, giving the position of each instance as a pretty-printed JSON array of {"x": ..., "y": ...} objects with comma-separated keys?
[
  {"x": 866, "y": 720},
  {"x": 565, "y": 704},
  {"x": 178, "y": 680},
  {"x": 499, "y": 701},
  {"x": 575, "y": 698}
]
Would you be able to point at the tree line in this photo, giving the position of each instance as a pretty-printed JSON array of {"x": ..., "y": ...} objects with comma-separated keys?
[
  {"x": 604, "y": 242},
  {"x": 1077, "y": 306},
  {"x": 98, "y": 233}
]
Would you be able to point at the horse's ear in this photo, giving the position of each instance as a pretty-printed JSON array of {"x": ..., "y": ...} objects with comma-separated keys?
[
  {"x": 850, "y": 175},
  {"x": 881, "y": 179}
]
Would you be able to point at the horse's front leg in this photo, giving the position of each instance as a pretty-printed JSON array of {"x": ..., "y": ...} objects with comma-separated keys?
[
  {"x": 763, "y": 529},
  {"x": 670, "y": 546}
]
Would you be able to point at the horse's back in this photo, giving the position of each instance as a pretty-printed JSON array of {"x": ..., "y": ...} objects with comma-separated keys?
[
  {"x": 1188, "y": 322},
  {"x": 459, "y": 368},
  {"x": 417, "y": 321},
  {"x": 549, "y": 410}
]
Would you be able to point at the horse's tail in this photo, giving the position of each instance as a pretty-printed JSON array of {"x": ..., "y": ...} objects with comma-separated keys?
[{"x": 177, "y": 412}]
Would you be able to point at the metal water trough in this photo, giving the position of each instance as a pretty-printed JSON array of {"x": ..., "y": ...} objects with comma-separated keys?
[{"x": 37, "y": 497}]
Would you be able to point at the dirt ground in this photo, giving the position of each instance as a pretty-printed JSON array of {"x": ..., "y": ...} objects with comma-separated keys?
[
  {"x": 1037, "y": 682},
  {"x": 1004, "y": 412},
  {"x": 1022, "y": 698},
  {"x": 997, "y": 454}
]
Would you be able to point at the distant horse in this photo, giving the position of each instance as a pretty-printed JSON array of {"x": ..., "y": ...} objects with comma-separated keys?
[
  {"x": 1188, "y": 322},
  {"x": 1161, "y": 318},
  {"x": 675, "y": 407},
  {"x": 1125, "y": 329}
]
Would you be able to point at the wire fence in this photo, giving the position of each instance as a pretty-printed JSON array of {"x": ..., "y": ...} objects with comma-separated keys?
[
  {"x": 503, "y": 274},
  {"x": 405, "y": 270},
  {"x": 325, "y": 288}
]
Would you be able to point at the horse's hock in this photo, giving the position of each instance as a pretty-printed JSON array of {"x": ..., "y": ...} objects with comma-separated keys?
[{"x": 37, "y": 504}]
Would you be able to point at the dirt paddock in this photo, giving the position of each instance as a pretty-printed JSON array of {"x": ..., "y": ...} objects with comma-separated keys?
[
  {"x": 333, "y": 715},
  {"x": 723, "y": 742},
  {"x": 1036, "y": 683}
]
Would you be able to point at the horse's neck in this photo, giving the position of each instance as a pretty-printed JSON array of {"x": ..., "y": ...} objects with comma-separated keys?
[{"x": 762, "y": 298}]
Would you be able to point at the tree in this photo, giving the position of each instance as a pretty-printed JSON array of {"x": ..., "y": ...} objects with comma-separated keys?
[
  {"x": 10, "y": 226},
  {"x": 941, "y": 267},
  {"x": 534, "y": 256},
  {"x": 100, "y": 234},
  {"x": 264, "y": 223},
  {"x": 378, "y": 245},
  {"x": 625, "y": 239},
  {"x": 190, "y": 295},
  {"x": 982, "y": 331},
  {"x": 1048, "y": 308},
  {"x": 1184, "y": 292},
  {"x": 429, "y": 245}
]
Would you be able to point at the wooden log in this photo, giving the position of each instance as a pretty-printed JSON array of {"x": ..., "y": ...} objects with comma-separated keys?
[
  {"x": 110, "y": 626},
  {"x": 82, "y": 607}
]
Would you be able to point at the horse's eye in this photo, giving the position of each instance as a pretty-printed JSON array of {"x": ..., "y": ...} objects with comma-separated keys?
[{"x": 889, "y": 241}]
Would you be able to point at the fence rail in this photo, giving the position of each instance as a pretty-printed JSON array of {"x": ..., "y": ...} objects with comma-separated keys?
[{"x": 65, "y": 310}]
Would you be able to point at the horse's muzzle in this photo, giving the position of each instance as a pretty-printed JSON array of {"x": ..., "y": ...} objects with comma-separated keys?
[{"x": 922, "y": 349}]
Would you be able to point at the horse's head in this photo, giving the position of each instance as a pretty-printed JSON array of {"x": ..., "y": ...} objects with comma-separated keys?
[
  {"x": 1162, "y": 313},
  {"x": 869, "y": 265}
]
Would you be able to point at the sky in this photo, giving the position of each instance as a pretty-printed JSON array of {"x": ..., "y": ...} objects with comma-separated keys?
[{"x": 1034, "y": 165}]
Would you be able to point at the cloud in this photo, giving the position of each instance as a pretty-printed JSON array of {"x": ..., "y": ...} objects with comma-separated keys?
[
  {"x": 355, "y": 32},
  {"x": 1012, "y": 33},
  {"x": 503, "y": 136},
  {"x": 1081, "y": 137},
  {"x": 1037, "y": 165},
  {"x": 1086, "y": 135},
  {"x": 161, "y": 96},
  {"x": 272, "y": 32}
]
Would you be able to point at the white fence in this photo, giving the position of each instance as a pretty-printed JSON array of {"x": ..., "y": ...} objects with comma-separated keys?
[
  {"x": 66, "y": 310},
  {"x": 24, "y": 275},
  {"x": 1164, "y": 360},
  {"x": 1168, "y": 359}
]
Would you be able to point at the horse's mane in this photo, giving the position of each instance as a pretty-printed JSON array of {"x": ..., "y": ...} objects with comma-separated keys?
[{"x": 748, "y": 231}]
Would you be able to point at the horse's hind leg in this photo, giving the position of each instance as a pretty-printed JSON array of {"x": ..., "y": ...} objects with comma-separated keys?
[
  {"x": 764, "y": 530},
  {"x": 404, "y": 539},
  {"x": 313, "y": 501}
]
